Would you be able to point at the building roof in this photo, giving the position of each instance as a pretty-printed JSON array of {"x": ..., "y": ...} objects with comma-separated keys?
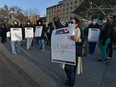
[
  {"x": 92, "y": 8},
  {"x": 55, "y": 5}
]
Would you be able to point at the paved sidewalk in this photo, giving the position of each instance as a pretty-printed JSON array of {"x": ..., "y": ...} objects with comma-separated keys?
[
  {"x": 12, "y": 76},
  {"x": 95, "y": 74},
  {"x": 28, "y": 67}
]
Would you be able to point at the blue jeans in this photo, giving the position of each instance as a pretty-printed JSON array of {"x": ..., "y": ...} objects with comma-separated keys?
[
  {"x": 42, "y": 44},
  {"x": 92, "y": 46},
  {"x": 16, "y": 47},
  {"x": 29, "y": 42}
]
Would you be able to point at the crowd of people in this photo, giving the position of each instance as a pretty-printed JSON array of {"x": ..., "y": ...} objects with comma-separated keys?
[
  {"x": 105, "y": 42},
  {"x": 106, "y": 38},
  {"x": 44, "y": 39}
]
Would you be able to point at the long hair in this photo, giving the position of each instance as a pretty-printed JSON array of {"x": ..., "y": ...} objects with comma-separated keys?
[{"x": 109, "y": 20}]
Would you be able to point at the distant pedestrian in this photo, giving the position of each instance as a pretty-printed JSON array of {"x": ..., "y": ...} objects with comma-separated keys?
[
  {"x": 41, "y": 38},
  {"x": 3, "y": 29},
  {"x": 16, "y": 44},
  {"x": 50, "y": 28},
  {"x": 112, "y": 39},
  {"x": 92, "y": 45},
  {"x": 29, "y": 38},
  {"x": 105, "y": 39}
]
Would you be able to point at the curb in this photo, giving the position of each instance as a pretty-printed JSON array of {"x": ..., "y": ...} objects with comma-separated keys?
[{"x": 29, "y": 69}]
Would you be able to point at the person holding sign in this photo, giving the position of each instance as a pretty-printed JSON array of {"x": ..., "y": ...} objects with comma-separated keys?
[
  {"x": 29, "y": 30},
  {"x": 93, "y": 28},
  {"x": 75, "y": 35},
  {"x": 16, "y": 37},
  {"x": 40, "y": 31},
  {"x": 71, "y": 69}
]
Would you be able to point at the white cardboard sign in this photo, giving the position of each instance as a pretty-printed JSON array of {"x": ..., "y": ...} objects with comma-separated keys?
[
  {"x": 16, "y": 34},
  {"x": 28, "y": 32},
  {"x": 62, "y": 47},
  {"x": 38, "y": 31},
  {"x": 93, "y": 35}
]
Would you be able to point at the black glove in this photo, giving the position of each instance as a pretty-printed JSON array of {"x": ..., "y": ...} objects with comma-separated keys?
[{"x": 103, "y": 43}]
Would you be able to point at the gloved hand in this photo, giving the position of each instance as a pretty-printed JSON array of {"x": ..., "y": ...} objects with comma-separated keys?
[{"x": 103, "y": 43}]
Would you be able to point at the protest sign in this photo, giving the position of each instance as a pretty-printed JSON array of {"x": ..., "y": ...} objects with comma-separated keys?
[
  {"x": 28, "y": 32},
  {"x": 93, "y": 35},
  {"x": 38, "y": 31},
  {"x": 8, "y": 34},
  {"x": 16, "y": 34},
  {"x": 62, "y": 47}
]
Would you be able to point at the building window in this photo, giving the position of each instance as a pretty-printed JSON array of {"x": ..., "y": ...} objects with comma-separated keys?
[
  {"x": 71, "y": 3},
  {"x": 64, "y": 9},
  {"x": 75, "y": 1},
  {"x": 70, "y": 7},
  {"x": 67, "y": 8},
  {"x": 64, "y": 5},
  {"x": 67, "y": 3}
]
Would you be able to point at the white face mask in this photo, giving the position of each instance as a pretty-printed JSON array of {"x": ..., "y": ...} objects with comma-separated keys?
[
  {"x": 28, "y": 23},
  {"x": 15, "y": 22}
]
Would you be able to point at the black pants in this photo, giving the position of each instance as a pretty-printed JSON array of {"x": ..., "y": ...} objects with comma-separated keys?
[
  {"x": 110, "y": 50},
  {"x": 3, "y": 39},
  {"x": 70, "y": 71}
]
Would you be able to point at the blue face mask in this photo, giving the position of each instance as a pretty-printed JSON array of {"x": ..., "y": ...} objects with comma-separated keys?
[
  {"x": 104, "y": 21},
  {"x": 71, "y": 26}
]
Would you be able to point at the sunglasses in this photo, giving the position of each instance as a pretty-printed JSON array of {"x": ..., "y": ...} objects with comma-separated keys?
[{"x": 71, "y": 22}]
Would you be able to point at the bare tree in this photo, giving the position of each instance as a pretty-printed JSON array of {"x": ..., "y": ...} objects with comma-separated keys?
[
  {"x": 8, "y": 13},
  {"x": 31, "y": 12},
  {"x": 15, "y": 11},
  {"x": 4, "y": 14}
]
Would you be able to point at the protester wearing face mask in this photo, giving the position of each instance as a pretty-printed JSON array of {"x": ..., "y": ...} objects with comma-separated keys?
[
  {"x": 71, "y": 69},
  {"x": 41, "y": 39},
  {"x": 92, "y": 45},
  {"x": 16, "y": 45},
  {"x": 29, "y": 39},
  {"x": 105, "y": 40}
]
